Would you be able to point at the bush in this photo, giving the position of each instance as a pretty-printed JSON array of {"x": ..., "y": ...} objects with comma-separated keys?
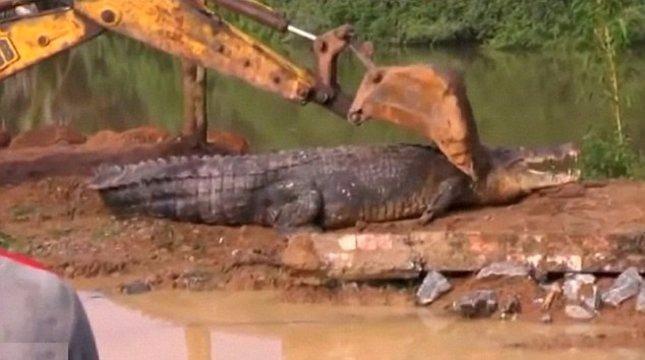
[
  {"x": 497, "y": 23},
  {"x": 604, "y": 155}
]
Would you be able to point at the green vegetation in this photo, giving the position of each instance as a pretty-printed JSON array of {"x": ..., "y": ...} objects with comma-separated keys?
[
  {"x": 605, "y": 34},
  {"x": 7, "y": 241},
  {"x": 498, "y": 23},
  {"x": 604, "y": 155}
]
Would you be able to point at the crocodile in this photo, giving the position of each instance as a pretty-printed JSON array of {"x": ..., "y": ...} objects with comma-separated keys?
[{"x": 322, "y": 187}]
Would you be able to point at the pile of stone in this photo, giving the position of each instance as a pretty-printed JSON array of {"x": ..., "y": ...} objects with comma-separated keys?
[{"x": 584, "y": 300}]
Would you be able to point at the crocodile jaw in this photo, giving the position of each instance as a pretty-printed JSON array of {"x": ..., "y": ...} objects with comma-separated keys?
[{"x": 517, "y": 172}]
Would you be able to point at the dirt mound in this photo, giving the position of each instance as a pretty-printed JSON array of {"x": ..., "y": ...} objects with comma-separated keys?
[
  {"x": 234, "y": 142},
  {"x": 139, "y": 136},
  {"x": 47, "y": 135},
  {"x": 34, "y": 163}
]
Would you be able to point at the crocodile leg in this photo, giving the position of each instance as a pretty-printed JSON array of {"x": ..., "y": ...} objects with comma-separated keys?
[
  {"x": 294, "y": 205},
  {"x": 448, "y": 193}
]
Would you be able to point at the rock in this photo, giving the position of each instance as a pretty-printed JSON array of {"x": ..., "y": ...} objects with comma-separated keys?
[
  {"x": 594, "y": 301},
  {"x": 571, "y": 289},
  {"x": 510, "y": 307},
  {"x": 505, "y": 268},
  {"x": 640, "y": 300},
  {"x": 195, "y": 280},
  {"x": 627, "y": 285},
  {"x": 573, "y": 283},
  {"x": 546, "y": 318},
  {"x": 433, "y": 286},
  {"x": 479, "y": 303},
  {"x": 585, "y": 278},
  {"x": 135, "y": 287},
  {"x": 578, "y": 312}
]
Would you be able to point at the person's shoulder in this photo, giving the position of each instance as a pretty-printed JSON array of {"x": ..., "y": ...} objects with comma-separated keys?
[{"x": 22, "y": 259}]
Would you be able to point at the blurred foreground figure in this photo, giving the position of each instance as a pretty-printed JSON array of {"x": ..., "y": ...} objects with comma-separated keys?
[{"x": 41, "y": 317}]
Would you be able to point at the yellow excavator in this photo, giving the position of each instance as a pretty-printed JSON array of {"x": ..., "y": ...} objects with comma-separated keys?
[{"x": 429, "y": 101}]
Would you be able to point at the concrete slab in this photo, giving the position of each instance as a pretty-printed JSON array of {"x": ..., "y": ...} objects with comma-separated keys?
[{"x": 597, "y": 229}]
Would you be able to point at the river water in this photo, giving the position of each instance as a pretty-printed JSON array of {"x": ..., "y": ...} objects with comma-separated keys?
[
  {"x": 527, "y": 98},
  {"x": 257, "y": 325}
]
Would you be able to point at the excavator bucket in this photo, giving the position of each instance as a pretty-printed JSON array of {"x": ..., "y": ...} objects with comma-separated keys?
[{"x": 428, "y": 101}]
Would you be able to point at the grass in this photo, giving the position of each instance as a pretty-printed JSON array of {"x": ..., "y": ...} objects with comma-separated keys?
[
  {"x": 605, "y": 34},
  {"x": 495, "y": 23}
]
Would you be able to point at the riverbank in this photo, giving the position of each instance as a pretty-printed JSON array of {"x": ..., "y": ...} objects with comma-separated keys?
[{"x": 594, "y": 228}]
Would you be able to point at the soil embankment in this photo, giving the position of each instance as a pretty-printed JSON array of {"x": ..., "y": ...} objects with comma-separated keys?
[{"x": 61, "y": 222}]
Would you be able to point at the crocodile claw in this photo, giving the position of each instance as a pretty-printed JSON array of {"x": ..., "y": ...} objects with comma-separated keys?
[{"x": 426, "y": 218}]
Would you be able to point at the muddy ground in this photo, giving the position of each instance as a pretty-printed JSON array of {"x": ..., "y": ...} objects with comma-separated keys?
[{"x": 59, "y": 221}]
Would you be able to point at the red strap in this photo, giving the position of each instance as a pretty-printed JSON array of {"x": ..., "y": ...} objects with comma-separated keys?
[{"x": 22, "y": 259}]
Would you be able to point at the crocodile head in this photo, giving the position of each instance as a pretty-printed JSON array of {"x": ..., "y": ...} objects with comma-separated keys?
[{"x": 517, "y": 172}]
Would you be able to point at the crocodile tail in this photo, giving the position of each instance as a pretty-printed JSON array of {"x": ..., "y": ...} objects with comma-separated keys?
[
  {"x": 113, "y": 176},
  {"x": 150, "y": 187}
]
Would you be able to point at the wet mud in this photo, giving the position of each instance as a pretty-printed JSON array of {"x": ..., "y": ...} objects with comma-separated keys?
[{"x": 259, "y": 324}]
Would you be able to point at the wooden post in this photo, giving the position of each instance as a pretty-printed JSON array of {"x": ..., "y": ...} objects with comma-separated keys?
[{"x": 194, "y": 88}]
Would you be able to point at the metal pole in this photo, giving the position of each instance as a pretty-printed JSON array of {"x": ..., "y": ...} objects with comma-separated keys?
[{"x": 302, "y": 33}]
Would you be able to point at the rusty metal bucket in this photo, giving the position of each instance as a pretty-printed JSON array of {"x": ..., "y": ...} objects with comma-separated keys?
[{"x": 428, "y": 101}]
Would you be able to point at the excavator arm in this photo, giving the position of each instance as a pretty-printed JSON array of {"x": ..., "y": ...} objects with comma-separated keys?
[
  {"x": 178, "y": 27},
  {"x": 28, "y": 40},
  {"x": 188, "y": 29},
  {"x": 184, "y": 28}
]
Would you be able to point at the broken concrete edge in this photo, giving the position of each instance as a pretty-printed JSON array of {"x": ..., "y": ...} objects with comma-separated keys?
[
  {"x": 351, "y": 257},
  {"x": 355, "y": 256}
]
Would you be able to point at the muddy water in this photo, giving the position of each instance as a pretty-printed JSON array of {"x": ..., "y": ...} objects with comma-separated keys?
[
  {"x": 518, "y": 98},
  {"x": 256, "y": 325}
]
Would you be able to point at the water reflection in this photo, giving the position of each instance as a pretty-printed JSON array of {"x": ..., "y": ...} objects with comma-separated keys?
[
  {"x": 113, "y": 82},
  {"x": 256, "y": 325}
]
